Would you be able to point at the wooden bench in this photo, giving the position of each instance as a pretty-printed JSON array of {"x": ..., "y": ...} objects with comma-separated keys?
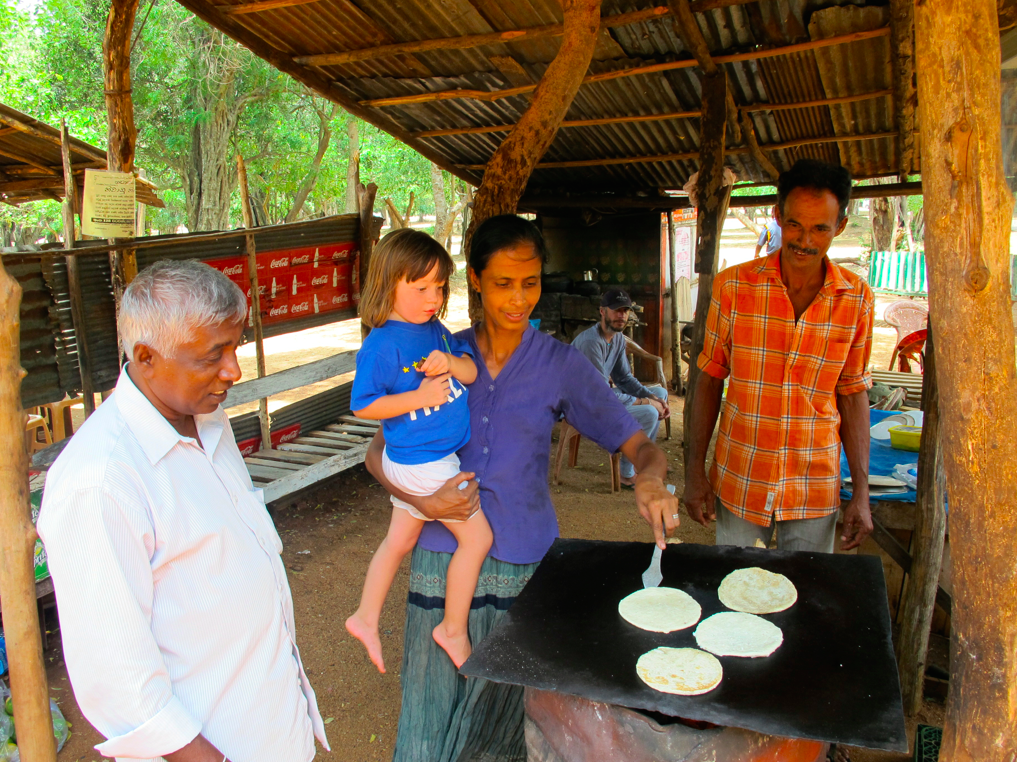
[{"x": 315, "y": 455}]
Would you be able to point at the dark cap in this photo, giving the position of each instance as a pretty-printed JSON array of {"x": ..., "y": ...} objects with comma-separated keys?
[{"x": 615, "y": 299}]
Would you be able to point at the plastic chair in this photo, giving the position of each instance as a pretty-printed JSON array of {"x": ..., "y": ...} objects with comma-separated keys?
[
  {"x": 34, "y": 426},
  {"x": 907, "y": 317},
  {"x": 568, "y": 440},
  {"x": 635, "y": 349},
  {"x": 59, "y": 416}
]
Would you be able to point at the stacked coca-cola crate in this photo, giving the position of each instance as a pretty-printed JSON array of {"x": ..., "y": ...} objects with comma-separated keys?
[{"x": 295, "y": 283}]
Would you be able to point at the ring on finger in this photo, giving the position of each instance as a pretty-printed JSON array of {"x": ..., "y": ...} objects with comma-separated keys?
[{"x": 675, "y": 516}]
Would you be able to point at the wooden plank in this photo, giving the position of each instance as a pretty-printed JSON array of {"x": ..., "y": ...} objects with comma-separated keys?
[
  {"x": 318, "y": 442},
  {"x": 360, "y": 421},
  {"x": 370, "y": 431},
  {"x": 309, "y": 449},
  {"x": 293, "y": 378},
  {"x": 339, "y": 429},
  {"x": 331, "y": 436},
  {"x": 296, "y": 458},
  {"x": 277, "y": 464},
  {"x": 267, "y": 473},
  {"x": 262, "y": 5},
  {"x": 313, "y": 474}
]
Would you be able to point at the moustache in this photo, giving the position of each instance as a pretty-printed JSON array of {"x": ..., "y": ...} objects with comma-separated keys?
[{"x": 802, "y": 250}]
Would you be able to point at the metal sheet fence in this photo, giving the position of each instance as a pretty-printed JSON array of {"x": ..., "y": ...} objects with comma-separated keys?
[{"x": 49, "y": 352}]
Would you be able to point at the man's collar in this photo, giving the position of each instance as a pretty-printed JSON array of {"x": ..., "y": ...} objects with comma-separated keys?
[
  {"x": 833, "y": 281},
  {"x": 154, "y": 433}
]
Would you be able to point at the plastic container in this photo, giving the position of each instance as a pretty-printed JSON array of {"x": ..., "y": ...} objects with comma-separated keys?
[{"x": 906, "y": 438}]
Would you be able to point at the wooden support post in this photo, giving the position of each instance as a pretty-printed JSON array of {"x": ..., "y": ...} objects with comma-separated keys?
[
  {"x": 121, "y": 132},
  {"x": 676, "y": 334},
  {"x": 902, "y": 58},
  {"x": 365, "y": 208},
  {"x": 968, "y": 210},
  {"x": 252, "y": 271},
  {"x": 74, "y": 278},
  {"x": 506, "y": 174},
  {"x": 713, "y": 198},
  {"x": 749, "y": 133},
  {"x": 927, "y": 554},
  {"x": 29, "y": 688}
]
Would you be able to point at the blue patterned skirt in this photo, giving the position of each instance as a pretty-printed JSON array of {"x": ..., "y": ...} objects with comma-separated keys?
[{"x": 446, "y": 717}]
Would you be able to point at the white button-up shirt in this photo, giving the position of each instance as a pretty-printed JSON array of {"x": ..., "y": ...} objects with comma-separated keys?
[{"x": 175, "y": 610}]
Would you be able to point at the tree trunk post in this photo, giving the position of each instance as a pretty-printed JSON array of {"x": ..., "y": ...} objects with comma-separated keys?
[
  {"x": 508, "y": 171},
  {"x": 930, "y": 529},
  {"x": 365, "y": 207},
  {"x": 968, "y": 211},
  {"x": 74, "y": 277},
  {"x": 352, "y": 163},
  {"x": 29, "y": 688},
  {"x": 121, "y": 133},
  {"x": 902, "y": 59},
  {"x": 713, "y": 198},
  {"x": 264, "y": 422}
]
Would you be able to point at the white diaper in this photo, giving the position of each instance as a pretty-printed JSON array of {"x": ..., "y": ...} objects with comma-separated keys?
[{"x": 419, "y": 479}]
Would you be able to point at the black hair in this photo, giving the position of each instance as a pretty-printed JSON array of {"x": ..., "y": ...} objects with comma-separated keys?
[
  {"x": 503, "y": 232},
  {"x": 819, "y": 176}
]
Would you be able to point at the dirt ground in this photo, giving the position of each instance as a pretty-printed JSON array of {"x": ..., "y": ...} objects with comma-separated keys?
[{"x": 330, "y": 534}]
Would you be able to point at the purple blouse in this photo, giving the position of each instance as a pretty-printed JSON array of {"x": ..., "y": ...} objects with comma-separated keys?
[{"x": 511, "y": 418}]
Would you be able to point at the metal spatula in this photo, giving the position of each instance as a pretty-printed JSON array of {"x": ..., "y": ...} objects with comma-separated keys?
[{"x": 652, "y": 576}]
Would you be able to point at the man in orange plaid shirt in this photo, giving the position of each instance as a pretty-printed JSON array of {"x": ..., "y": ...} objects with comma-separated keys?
[{"x": 792, "y": 332}]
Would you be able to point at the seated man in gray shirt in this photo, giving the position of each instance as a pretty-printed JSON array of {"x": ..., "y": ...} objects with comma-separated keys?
[{"x": 604, "y": 345}]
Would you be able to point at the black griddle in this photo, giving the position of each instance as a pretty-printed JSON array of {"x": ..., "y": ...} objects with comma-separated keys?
[{"x": 833, "y": 679}]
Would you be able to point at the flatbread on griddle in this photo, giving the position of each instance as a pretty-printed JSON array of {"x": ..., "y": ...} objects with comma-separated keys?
[
  {"x": 660, "y": 609},
  {"x": 757, "y": 591},
  {"x": 734, "y": 633},
  {"x": 682, "y": 671}
]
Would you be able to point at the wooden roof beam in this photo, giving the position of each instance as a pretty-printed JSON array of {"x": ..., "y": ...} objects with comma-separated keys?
[
  {"x": 656, "y": 117},
  {"x": 469, "y": 41},
  {"x": 29, "y": 161},
  {"x": 695, "y": 43},
  {"x": 754, "y": 55},
  {"x": 261, "y": 5},
  {"x": 686, "y": 156}
]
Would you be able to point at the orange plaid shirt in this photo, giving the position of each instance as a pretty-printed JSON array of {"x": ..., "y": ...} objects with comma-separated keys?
[{"x": 778, "y": 450}]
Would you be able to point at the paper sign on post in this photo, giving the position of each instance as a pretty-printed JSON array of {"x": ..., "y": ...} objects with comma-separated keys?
[{"x": 107, "y": 209}]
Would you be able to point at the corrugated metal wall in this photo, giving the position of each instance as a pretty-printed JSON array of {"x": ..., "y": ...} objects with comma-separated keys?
[
  {"x": 311, "y": 413},
  {"x": 48, "y": 343}
]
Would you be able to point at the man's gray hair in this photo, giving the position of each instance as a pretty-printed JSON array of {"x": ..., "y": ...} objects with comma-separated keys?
[{"x": 168, "y": 300}]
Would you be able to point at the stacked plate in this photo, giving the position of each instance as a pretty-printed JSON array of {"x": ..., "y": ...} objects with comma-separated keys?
[{"x": 881, "y": 430}]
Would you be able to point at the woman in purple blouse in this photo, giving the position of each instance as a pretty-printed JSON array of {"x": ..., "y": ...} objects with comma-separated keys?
[{"x": 526, "y": 381}]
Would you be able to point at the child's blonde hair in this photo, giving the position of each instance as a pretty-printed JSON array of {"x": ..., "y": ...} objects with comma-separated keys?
[{"x": 404, "y": 254}]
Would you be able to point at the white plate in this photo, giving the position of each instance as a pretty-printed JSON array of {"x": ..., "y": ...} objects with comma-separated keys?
[{"x": 881, "y": 430}]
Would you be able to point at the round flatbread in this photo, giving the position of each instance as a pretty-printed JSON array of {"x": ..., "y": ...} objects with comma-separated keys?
[
  {"x": 757, "y": 591},
  {"x": 660, "y": 609},
  {"x": 684, "y": 671},
  {"x": 733, "y": 633}
]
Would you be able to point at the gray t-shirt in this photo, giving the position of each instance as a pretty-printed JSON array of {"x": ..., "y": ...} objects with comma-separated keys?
[{"x": 611, "y": 359}]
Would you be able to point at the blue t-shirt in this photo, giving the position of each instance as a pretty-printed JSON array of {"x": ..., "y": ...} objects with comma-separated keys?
[
  {"x": 387, "y": 364},
  {"x": 511, "y": 419}
]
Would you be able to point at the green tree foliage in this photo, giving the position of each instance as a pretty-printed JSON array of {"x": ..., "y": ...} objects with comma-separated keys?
[{"x": 199, "y": 99}]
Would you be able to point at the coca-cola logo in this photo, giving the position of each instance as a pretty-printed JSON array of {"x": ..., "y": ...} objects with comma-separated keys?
[
  {"x": 340, "y": 298},
  {"x": 282, "y": 309},
  {"x": 261, "y": 290},
  {"x": 320, "y": 280},
  {"x": 237, "y": 269},
  {"x": 301, "y": 260},
  {"x": 289, "y": 436},
  {"x": 300, "y": 307},
  {"x": 278, "y": 263}
]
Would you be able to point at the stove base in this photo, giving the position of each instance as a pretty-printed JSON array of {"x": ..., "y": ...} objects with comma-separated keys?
[{"x": 563, "y": 728}]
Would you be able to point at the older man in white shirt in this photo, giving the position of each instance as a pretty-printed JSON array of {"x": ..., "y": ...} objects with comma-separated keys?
[{"x": 175, "y": 610}]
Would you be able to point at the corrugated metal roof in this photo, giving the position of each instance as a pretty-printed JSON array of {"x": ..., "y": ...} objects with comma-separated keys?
[{"x": 332, "y": 26}]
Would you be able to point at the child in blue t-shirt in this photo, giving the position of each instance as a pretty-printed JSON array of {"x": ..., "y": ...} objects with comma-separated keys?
[{"x": 410, "y": 376}]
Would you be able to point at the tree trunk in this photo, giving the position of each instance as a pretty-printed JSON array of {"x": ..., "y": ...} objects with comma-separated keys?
[
  {"x": 311, "y": 177},
  {"x": 968, "y": 256},
  {"x": 396, "y": 221},
  {"x": 440, "y": 203},
  {"x": 29, "y": 690},
  {"x": 747, "y": 221},
  {"x": 883, "y": 220},
  {"x": 352, "y": 164},
  {"x": 508, "y": 171}
]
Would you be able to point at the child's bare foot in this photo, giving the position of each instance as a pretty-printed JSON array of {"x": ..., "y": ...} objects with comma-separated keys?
[
  {"x": 457, "y": 647},
  {"x": 367, "y": 635}
]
